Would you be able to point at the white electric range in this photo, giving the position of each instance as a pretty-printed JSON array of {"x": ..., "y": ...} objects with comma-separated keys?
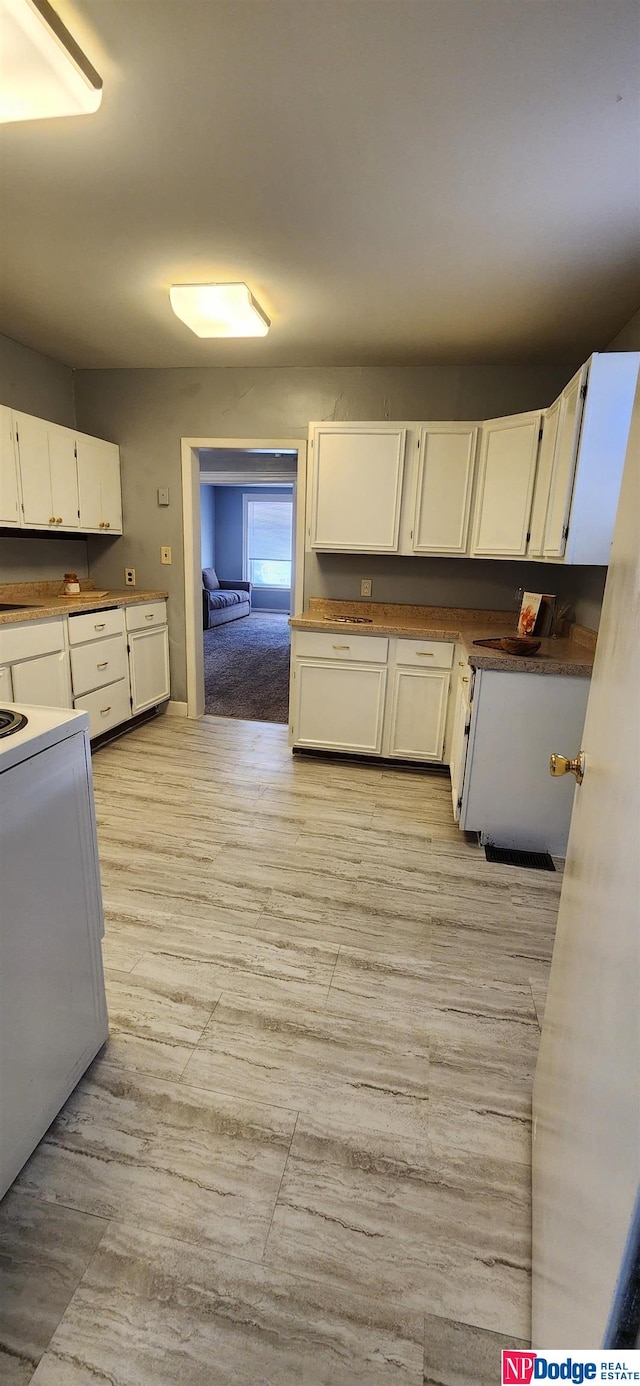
[{"x": 53, "y": 1014}]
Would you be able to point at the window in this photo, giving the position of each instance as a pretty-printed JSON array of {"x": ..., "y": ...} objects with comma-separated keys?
[{"x": 267, "y": 541}]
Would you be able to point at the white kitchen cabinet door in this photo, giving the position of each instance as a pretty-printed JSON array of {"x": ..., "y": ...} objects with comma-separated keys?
[
  {"x": 444, "y": 484},
  {"x": 544, "y": 473},
  {"x": 418, "y": 714},
  {"x": 33, "y": 453},
  {"x": 507, "y": 469},
  {"x": 99, "y": 484},
  {"x": 338, "y": 707},
  {"x": 9, "y": 496},
  {"x": 6, "y": 686},
  {"x": 357, "y": 487},
  {"x": 564, "y": 465},
  {"x": 43, "y": 682},
  {"x": 148, "y": 667},
  {"x": 64, "y": 477},
  {"x": 459, "y": 742}
]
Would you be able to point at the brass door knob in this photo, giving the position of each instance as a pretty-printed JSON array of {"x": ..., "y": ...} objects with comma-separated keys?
[{"x": 561, "y": 765}]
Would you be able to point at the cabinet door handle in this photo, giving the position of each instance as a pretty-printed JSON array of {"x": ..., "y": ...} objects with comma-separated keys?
[
  {"x": 107, "y": 524},
  {"x": 341, "y": 647},
  {"x": 427, "y": 654},
  {"x": 100, "y": 625},
  {"x": 105, "y": 709},
  {"x": 59, "y": 520},
  {"x": 103, "y": 665},
  {"x": 52, "y": 519},
  {"x": 101, "y": 525}
]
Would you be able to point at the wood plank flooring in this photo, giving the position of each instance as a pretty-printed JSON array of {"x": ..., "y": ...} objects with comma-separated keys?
[{"x": 304, "y": 1154}]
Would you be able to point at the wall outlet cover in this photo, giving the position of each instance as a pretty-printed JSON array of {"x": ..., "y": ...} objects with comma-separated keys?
[
  {"x": 129, "y": 577},
  {"x": 366, "y": 587}
]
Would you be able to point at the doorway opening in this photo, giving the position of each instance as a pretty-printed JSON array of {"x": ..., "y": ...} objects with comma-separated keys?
[{"x": 242, "y": 519}]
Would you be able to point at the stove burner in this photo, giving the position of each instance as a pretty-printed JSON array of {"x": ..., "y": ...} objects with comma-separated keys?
[{"x": 11, "y": 722}]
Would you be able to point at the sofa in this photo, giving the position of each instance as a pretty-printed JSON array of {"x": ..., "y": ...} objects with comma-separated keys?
[{"x": 223, "y": 601}]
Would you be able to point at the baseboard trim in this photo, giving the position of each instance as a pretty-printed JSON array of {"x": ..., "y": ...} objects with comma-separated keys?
[{"x": 176, "y": 709}]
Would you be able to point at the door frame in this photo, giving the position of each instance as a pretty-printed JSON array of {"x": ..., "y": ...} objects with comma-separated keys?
[{"x": 190, "y": 459}]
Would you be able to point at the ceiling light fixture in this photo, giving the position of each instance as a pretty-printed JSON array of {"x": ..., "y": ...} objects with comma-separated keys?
[
  {"x": 219, "y": 310},
  {"x": 43, "y": 72}
]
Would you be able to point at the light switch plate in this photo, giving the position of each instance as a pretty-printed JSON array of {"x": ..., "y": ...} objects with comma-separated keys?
[
  {"x": 163, "y": 495},
  {"x": 165, "y": 554}
]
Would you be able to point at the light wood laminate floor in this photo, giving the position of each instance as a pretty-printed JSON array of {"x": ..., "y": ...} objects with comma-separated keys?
[{"x": 304, "y": 1154}]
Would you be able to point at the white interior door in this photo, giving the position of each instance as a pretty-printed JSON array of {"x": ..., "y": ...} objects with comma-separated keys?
[{"x": 586, "y": 1149}]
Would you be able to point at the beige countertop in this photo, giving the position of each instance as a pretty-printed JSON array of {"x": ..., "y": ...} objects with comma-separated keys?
[
  {"x": 571, "y": 655},
  {"x": 37, "y": 600}
]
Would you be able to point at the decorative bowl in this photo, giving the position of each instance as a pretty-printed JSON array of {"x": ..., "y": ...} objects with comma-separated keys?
[{"x": 520, "y": 644}]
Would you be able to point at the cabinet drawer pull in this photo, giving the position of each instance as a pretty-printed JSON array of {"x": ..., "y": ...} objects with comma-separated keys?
[
  {"x": 103, "y": 710},
  {"x": 103, "y": 665},
  {"x": 427, "y": 654},
  {"x": 149, "y": 617},
  {"x": 341, "y": 647},
  {"x": 100, "y": 625}
]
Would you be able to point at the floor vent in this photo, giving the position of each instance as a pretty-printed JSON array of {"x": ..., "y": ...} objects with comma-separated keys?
[{"x": 509, "y": 856}]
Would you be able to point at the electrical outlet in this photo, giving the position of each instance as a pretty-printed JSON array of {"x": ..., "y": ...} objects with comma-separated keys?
[
  {"x": 129, "y": 577},
  {"x": 165, "y": 554},
  {"x": 366, "y": 587}
]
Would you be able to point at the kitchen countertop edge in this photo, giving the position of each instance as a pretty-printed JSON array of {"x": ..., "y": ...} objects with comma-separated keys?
[
  {"x": 66, "y": 606},
  {"x": 557, "y": 656}
]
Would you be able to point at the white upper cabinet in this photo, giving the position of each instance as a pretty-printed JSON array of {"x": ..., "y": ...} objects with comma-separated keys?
[
  {"x": 506, "y": 476},
  {"x": 564, "y": 465},
  {"x": 99, "y": 484},
  {"x": 9, "y": 495},
  {"x": 64, "y": 476},
  {"x": 47, "y": 461},
  {"x": 446, "y": 456},
  {"x": 52, "y": 477},
  {"x": 357, "y": 475},
  {"x": 550, "y": 422},
  {"x": 589, "y": 461}
]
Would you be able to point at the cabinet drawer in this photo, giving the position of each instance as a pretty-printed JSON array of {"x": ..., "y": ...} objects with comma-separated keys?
[
  {"x": 97, "y": 664},
  {"x": 425, "y": 654},
  {"x": 107, "y": 708},
  {"x": 95, "y": 625},
  {"x": 146, "y": 616},
  {"x": 369, "y": 649},
  {"x": 33, "y": 638}
]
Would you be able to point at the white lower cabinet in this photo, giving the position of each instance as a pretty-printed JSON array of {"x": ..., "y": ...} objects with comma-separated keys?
[
  {"x": 43, "y": 682},
  {"x": 339, "y": 706},
  {"x": 418, "y": 714},
  {"x": 107, "y": 707},
  {"x": 370, "y": 695},
  {"x": 148, "y": 667},
  {"x": 6, "y": 686},
  {"x": 460, "y": 739}
]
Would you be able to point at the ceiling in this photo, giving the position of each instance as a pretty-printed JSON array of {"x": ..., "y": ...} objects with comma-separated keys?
[{"x": 398, "y": 181}]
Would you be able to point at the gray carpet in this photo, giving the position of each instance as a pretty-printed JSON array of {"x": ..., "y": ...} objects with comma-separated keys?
[{"x": 246, "y": 668}]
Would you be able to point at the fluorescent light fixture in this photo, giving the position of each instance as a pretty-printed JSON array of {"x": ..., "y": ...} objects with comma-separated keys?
[
  {"x": 43, "y": 72},
  {"x": 219, "y": 310}
]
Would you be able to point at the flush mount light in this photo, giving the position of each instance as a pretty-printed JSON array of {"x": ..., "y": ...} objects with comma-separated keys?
[
  {"x": 43, "y": 72},
  {"x": 219, "y": 310}
]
